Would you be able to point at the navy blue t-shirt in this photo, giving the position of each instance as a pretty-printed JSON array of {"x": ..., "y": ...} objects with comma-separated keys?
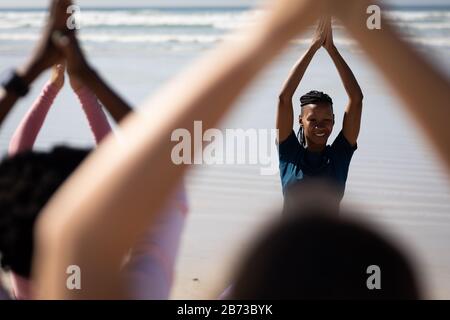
[{"x": 298, "y": 164}]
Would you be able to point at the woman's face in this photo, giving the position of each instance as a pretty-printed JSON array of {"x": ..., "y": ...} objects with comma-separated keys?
[{"x": 318, "y": 122}]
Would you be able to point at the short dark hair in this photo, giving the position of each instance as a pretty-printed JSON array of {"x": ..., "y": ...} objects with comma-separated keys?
[
  {"x": 318, "y": 255},
  {"x": 27, "y": 182},
  {"x": 315, "y": 97}
]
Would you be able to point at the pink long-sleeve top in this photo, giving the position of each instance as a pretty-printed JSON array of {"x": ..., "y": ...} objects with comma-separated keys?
[{"x": 150, "y": 266}]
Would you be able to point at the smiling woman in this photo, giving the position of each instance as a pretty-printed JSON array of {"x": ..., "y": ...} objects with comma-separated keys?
[
  {"x": 316, "y": 119},
  {"x": 308, "y": 155}
]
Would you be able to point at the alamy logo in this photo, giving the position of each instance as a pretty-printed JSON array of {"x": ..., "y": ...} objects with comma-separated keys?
[
  {"x": 235, "y": 146},
  {"x": 73, "y": 281},
  {"x": 374, "y": 281},
  {"x": 374, "y": 20},
  {"x": 73, "y": 22}
]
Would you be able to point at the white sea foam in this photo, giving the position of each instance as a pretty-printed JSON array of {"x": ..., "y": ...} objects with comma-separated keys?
[
  {"x": 96, "y": 19},
  {"x": 426, "y": 26},
  {"x": 19, "y": 36},
  {"x": 123, "y": 38},
  {"x": 112, "y": 38},
  {"x": 226, "y": 19},
  {"x": 427, "y": 41},
  {"x": 431, "y": 28},
  {"x": 151, "y": 38},
  {"x": 414, "y": 16}
]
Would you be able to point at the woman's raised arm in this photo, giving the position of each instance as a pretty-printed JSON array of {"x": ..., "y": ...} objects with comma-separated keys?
[
  {"x": 285, "y": 114},
  {"x": 422, "y": 86},
  {"x": 117, "y": 191}
]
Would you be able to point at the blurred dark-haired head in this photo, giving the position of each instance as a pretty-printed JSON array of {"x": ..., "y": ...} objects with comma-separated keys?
[
  {"x": 27, "y": 182},
  {"x": 314, "y": 253}
]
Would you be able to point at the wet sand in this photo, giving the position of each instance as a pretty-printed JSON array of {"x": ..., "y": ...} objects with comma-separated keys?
[{"x": 395, "y": 180}]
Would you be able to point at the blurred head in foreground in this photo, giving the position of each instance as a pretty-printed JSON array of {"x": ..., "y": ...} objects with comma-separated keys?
[
  {"x": 313, "y": 253},
  {"x": 27, "y": 181}
]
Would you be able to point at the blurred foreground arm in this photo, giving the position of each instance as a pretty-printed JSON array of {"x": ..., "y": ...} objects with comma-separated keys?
[
  {"x": 424, "y": 89},
  {"x": 116, "y": 193}
]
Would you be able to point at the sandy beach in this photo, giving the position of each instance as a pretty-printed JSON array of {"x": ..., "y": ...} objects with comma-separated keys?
[{"x": 395, "y": 179}]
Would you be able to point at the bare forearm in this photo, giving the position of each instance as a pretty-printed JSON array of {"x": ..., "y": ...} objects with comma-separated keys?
[
  {"x": 8, "y": 99},
  {"x": 297, "y": 73},
  {"x": 115, "y": 105},
  {"x": 348, "y": 78},
  {"x": 425, "y": 90}
]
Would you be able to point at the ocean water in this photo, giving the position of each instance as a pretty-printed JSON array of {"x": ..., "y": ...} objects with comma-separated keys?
[
  {"x": 395, "y": 179},
  {"x": 194, "y": 27},
  {"x": 141, "y": 48}
]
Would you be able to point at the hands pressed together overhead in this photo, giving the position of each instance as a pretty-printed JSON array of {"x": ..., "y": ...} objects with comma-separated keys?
[
  {"x": 328, "y": 43},
  {"x": 323, "y": 36},
  {"x": 57, "y": 77},
  {"x": 57, "y": 47}
]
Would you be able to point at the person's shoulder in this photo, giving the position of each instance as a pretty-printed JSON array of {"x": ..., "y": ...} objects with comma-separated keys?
[
  {"x": 290, "y": 140},
  {"x": 290, "y": 145},
  {"x": 341, "y": 143}
]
